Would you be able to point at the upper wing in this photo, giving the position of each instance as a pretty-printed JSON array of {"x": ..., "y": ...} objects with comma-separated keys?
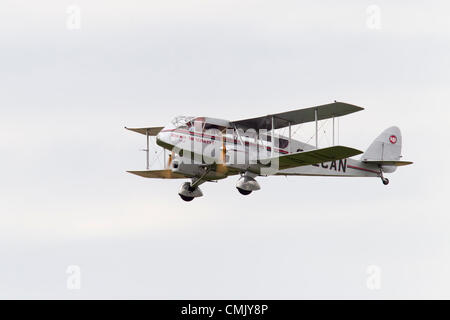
[
  {"x": 151, "y": 131},
  {"x": 315, "y": 156},
  {"x": 298, "y": 116},
  {"x": 159, "y": 174}
]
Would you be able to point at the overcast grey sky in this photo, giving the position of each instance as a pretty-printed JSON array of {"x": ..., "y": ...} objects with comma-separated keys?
[{"x": 66, "y": 199}]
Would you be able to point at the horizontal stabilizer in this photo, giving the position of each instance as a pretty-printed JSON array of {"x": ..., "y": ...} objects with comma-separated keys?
[
  {"x": 151, "y": 131},
  {"x": 306, "y": 158},
  {"x": 397, "y": 163},
  {"x": 159, "y": 174}
]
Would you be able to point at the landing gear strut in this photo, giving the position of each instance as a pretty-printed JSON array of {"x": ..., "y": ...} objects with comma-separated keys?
[{"x": 383, "y": 179}]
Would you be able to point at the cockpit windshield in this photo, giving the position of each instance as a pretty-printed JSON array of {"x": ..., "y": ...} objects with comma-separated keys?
[
  {"x": 183, "y": 122},
  {"x": 199, "y": 124}
]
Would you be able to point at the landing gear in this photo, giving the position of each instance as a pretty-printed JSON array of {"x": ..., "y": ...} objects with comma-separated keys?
[
  {"x": 247, "y": 184},
  {"x": 244, "y": 192},
  {"x": 383, "y": 179},
  {"x": 188, "y": 192},
  {"x": 185, "y": 198}
]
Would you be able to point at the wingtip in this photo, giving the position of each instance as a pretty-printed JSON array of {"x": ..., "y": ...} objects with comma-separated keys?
[
  {"x": 349, "y": 148},
  {"x": 350, "y": 104}
]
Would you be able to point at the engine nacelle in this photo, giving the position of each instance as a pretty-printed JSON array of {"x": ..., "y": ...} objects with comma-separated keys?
[
  {"x": 248, "y": 184},
  {"x": 186, "y": 168}
]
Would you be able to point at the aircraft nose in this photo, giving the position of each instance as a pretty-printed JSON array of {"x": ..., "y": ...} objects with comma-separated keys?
[{"x": 160, "y": 136}]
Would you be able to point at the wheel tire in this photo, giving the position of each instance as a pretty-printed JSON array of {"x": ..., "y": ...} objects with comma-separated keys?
[
  {"x": 385, "y": 181},
  {"x": 244, "y": 192},
  {"x": 186, "y": 198}
]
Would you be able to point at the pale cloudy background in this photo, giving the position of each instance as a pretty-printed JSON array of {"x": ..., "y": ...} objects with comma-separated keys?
[{"x": 65, "y": 96}]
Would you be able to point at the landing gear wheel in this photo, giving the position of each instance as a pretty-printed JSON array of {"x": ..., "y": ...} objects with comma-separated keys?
[
  {"x": 385, "y": 181},
  {"x": 244, "y": 192},
  {"x": 186, "y": 198}
]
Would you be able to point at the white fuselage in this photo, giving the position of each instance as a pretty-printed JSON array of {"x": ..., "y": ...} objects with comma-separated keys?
[{"x": 238, "y": 151}]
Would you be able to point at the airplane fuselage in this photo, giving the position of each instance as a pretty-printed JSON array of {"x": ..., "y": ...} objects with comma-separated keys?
[{"x": 237, "y": 151}]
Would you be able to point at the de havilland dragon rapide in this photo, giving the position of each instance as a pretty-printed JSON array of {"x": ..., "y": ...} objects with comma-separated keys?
[{"x": 203, "y": 149}]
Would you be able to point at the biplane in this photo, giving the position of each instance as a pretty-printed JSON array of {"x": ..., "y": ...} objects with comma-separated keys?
[{"x": 203, "y": 149}]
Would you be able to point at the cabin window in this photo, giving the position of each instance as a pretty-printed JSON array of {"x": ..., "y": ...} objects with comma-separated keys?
[
  {"x": 279, "y": 142},
  {"x": 214, "y": 126},
  {"x": 283, "y": 143}
]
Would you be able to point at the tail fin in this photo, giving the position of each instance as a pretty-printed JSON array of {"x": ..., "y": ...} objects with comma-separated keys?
[{"x": 387, "y": 148}]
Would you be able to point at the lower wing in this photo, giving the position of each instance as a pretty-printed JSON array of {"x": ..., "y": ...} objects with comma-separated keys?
[
  {"x": 159, "y": 174},
  {"x": 315, "y": 156}
]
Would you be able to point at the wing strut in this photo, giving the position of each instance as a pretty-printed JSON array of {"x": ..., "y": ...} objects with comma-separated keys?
[
  {"x": 273, "y": 138},
  {"x": 289, "y": 150},
  {"x": 148, "y": 131},
  {"x": 333, "y": 130},
  {"x": 316, "y": 118},
  {"x": 147, "y": 150}
]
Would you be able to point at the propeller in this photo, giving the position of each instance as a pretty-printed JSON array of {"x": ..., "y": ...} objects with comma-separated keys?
[
  {"x": 169, "y": 162},
  {"x": 224, "y": 150},
  {"x": 221, "y": 168}
]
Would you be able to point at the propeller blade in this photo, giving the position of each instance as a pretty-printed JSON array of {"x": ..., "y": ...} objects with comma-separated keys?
[{"x": 170, "y": 159}]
